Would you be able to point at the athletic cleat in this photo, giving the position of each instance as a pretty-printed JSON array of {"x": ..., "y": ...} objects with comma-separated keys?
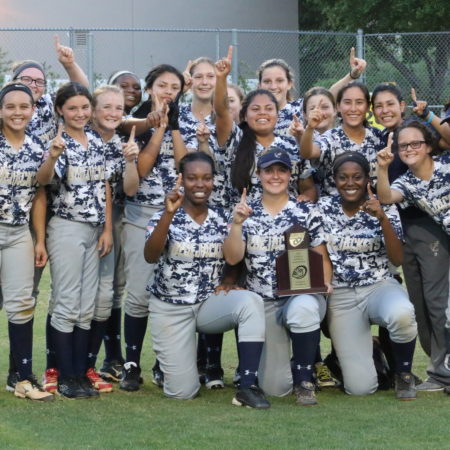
[
  {"x": 98, "y": 382},
  {"x": 305, "y": 393},
  {"x": 11, "y": 381},
  {"x": 405, "y": 386},
  {"x": 70, "y": 388},
  {"x": 88, "y": 387},
  {"x": 214, "y": 378},
  {"x": 50, "y": 380},
  {"x": 447, "y": 390},
  {"x": 32, "y": 390},
  {"x": 111, "y": 370},
  {"x": 131, "y": 377},
  {"x": 324, "y": 377},
  {"x": 251, "y": 397},
  {"x": 158, "y": 375},
  {"x": 430, "y": 385}
]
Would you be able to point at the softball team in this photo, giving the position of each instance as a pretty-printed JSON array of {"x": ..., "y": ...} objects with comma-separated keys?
[{"x": 153, "y": 197}]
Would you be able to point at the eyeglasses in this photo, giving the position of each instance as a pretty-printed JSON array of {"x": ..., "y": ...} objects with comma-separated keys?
[
  {"x": 39, "y": 82},
  {"x": 413, "y": 144}
]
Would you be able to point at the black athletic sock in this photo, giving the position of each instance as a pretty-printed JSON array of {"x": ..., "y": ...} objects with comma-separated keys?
[
  {"x": 12, "y": 364},
  {"x": 318, "y": 358},
  {"x": 80, "y": 350},
  {"x": 213, "y": 343},
  {"x": 112, "y": 338},
  {"x": 403, "y": 355},
  {"x": 135, "y": 328},
  {"x": 63, "y": 345},
  {"x": 201, "y": 351},
  {"x": 50, "y": 350},
  {"x": 21, "y": 344},
  {"x": 95, "y": 341},
  {"x": 304, "y": 349},
  {"x": 236, "y": 336},
  {"x": 250, "y": 354}
]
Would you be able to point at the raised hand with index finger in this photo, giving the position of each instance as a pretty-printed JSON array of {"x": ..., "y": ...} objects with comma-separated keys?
[
  {"x": 315, "y": 116},
  {"x": 242, "y": 211},
  {"x": 357, "y": 65},
  {"x": 175, "y": 197},
  {"x": 223, "y": 66},
  {"x": 64, "y": 54},
  {"x": 372, "y": 206},
  {"x": 58, "y": 144},
  {"x": 130, "y": 148},
  {"x": 385, "y": 156}
]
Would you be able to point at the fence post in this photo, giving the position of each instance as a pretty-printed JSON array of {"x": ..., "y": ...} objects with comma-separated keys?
[
  {"x": 235, "y": 68},
  {"x": 360, "y": 49},
  {"x": 90, "y": 59}
]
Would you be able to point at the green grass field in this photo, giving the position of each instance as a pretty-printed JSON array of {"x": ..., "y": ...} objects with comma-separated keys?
[{"x": 147, "y": 419}]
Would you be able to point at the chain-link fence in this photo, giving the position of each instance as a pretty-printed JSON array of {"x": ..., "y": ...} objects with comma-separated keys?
[{"x": 418, "y": 60}]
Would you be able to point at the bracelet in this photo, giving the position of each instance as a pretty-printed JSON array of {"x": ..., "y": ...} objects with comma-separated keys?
[
  {"x": 353, "y": 78},
  {"x": 430, "y": 117},
  {"x": 425, "y": 113}
]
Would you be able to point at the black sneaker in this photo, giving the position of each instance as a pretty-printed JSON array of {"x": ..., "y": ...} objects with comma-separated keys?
[
  {"x": 11, "y": 381},
  {"x": 131, "y": 377},
  {"x": 214, "y": 377},
  {"x": 405, "y": 386},
  {"x": 70, "y": 388},
  {"x": 87, "y": 386},
  {"x": 158, "y": 376},
  {"x": 251, "y": 397},
  {"x": 111, "y": 370},
  {"x": 306, "y": 395}
]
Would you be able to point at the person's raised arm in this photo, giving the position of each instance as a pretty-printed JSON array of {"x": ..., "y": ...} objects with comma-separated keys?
[
  {"x": 130, "y": 175},
  {"x": 385, "y": 194},
  {"x": 234, "y": 245},
  {"x": 224, "y": 119},
  {"x": 394, "y": 246},
  {"x": 67, "y": 59},
  {"x": 46, "y": 172},
  {"x": 156, "y": 242},
  {"x": 357, "y": 67},
  {"x": 308, "y": 149}
]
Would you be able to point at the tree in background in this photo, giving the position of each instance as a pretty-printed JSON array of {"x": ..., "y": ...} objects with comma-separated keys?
[
  {"x": 413, "y": 60},
  {"x": 5, "y": 65}
]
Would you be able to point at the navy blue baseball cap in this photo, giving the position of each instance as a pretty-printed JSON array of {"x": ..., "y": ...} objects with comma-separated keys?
[
  {"x": 274, "y": 156},
  {"x": 446, "y": 116}
]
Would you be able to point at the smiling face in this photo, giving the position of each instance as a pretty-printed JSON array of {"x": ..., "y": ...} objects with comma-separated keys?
[
  {"x": 108, "y": 112},
  {"x": 262, "y": 115},
  {"x": 132, "y": 91},
  {"x": 275, "y": 80},
  {"x": 166, "y": 87},
  {"x": 388, "y": 110},
  {"x": 76, "y": 113},
  {"x": 35, "y": 74},
  {"x": 413, "y": 157},
  {"x": 198, "y": 182},
  {"x": 326, "y": 108},
  {"x": 353, "y": 107},
  {"x": 274, "y": 179},
  {"x": 351, "y": 182},
  {"x": 203, "y": 81},
  {"x": 16, "y": 111}
]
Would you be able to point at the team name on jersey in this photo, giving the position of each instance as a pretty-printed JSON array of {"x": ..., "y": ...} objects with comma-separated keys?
[
  {"x": 265, "y": 243},
  {"x": 166, "y": 148},
  {"x": 17, "y": 178},
  {"x": 93, "y": 173},
  {"x": 352, "y": 244},
  {"x": 201, "y": 250},
  {"x": 436, "y": 205}
]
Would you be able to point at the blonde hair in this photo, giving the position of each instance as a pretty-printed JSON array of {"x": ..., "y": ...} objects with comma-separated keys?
[{"x": 103, "y": 90}]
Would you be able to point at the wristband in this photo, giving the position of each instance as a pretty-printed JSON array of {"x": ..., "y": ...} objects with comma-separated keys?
[
  {"x": 425, "y": 113},
  {"x": 352, "y": 77},
  {"x": 430, "y": 117}
]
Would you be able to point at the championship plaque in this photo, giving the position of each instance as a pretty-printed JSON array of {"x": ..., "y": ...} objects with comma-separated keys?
[{"x": 299, "y": 269}]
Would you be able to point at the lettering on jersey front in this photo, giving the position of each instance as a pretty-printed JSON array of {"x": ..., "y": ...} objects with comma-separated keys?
[
  {"x": 79, "y": 173},
  {"x": 17, "y": 178},
  {"x": 265, "y": 243},
  {"x": 354, "y": 244},
  {"x": 191, "y": 251}
]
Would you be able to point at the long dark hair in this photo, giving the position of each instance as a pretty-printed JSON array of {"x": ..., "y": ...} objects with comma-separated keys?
[{"x": 244, "y": 160}]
